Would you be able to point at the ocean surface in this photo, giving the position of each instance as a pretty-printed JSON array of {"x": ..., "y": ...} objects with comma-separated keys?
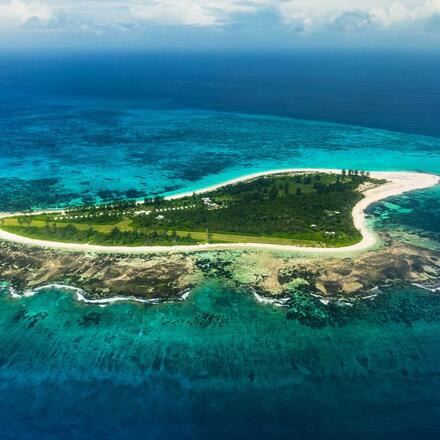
[{"x": 83, "y": 128}]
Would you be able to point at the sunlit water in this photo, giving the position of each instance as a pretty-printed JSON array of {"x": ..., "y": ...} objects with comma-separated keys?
[
  {"x": 218, "y": 365},
  {"x": 92, "y": 152}
]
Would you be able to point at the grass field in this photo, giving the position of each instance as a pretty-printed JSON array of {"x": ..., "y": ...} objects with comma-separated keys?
[{"x": 11, "y": 224}]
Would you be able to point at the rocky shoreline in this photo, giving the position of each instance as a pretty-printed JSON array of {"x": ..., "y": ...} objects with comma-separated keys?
[{"x": 272, "y": 276}]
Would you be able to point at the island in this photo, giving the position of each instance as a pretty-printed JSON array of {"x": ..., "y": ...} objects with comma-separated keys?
[
  {"x": 312, "y": 209},
  {"x": 281, "y": 209},
  {"x": 283, "y": 235}
]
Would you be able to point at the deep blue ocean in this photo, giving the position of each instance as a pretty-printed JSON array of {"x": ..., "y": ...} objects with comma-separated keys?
[{"x": 90, "y": 127}]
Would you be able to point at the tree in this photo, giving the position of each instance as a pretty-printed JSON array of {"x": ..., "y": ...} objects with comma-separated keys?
[
  {"x": 208, "y": 235},
  {"x": 272, "y": 194}
]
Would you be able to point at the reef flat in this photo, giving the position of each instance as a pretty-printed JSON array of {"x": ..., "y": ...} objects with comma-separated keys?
[{"x": 271, "y": 276}]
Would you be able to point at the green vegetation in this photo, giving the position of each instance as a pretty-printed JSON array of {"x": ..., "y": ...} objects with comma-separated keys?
[
  {"x": 71, "y": 233},
  {"x": 304, "y": 209}
]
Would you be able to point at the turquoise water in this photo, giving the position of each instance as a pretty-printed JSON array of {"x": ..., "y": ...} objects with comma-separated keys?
[
  {"x": 412, "y": 218},
  {"x": 93, "y": 151},
  {"x": 217, "y": 366},
  {"x": 93, "y": 128}
]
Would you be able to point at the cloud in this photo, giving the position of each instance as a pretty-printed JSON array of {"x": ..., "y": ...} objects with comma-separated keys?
[
  {"x": 400, "y": 13},
  {"x": 313, "y": 14},
  {"x": 193, "y": 12},
  {"x": 313, "y": 19},
  {"x": 18, "y": 12},
  {"x": 170, "y": 12},
  {"x": 350, "y": 22},
  {"x": 352, "y": 14}
]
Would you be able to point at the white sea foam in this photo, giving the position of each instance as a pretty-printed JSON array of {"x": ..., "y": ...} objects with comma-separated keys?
[
  {"x": 279, "y": 302},
  {"x": 102, "y": 302},
  {"x": 345, "y": 303},
  {"x": 13, "y": 293},
  {"x": 185, "y": 294},
  {"x": 370, "y": 296},
  {"x": 430, "y": 287}
]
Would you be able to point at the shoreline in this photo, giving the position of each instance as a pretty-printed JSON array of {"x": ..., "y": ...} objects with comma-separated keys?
[
  {"x": 80, "y": 295},
  {"x": 398, "y": 182}
]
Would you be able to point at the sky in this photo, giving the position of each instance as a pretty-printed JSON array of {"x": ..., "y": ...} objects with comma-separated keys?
[{"x": 218, "y": 24}]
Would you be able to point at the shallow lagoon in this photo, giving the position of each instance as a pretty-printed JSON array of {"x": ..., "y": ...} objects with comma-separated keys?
[{"x": 88, "y": 151}]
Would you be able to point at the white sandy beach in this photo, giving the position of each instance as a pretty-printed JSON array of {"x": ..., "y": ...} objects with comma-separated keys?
[{"x": 397, "y": 183}]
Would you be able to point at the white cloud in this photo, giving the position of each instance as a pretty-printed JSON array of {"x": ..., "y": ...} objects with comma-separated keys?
[
  {"x": 192, "y": 12},
  {"x": 399, "y": 12},
  {"x": 352, "y": 22},
  {"x": 310, "y": 17},
  {"x": 19, "y": 12},
  {"x": 317, "y": 13},
  {"x": 175, "y": 12}
]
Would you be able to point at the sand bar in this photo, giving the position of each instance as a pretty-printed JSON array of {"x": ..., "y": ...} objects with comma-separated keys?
[{"x": 398, "y": 182}]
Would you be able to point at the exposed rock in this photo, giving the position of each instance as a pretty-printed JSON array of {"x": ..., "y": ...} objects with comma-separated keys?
[
  {"x": 98, "y": 275},
  {"x": 166, "y": 276}
]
